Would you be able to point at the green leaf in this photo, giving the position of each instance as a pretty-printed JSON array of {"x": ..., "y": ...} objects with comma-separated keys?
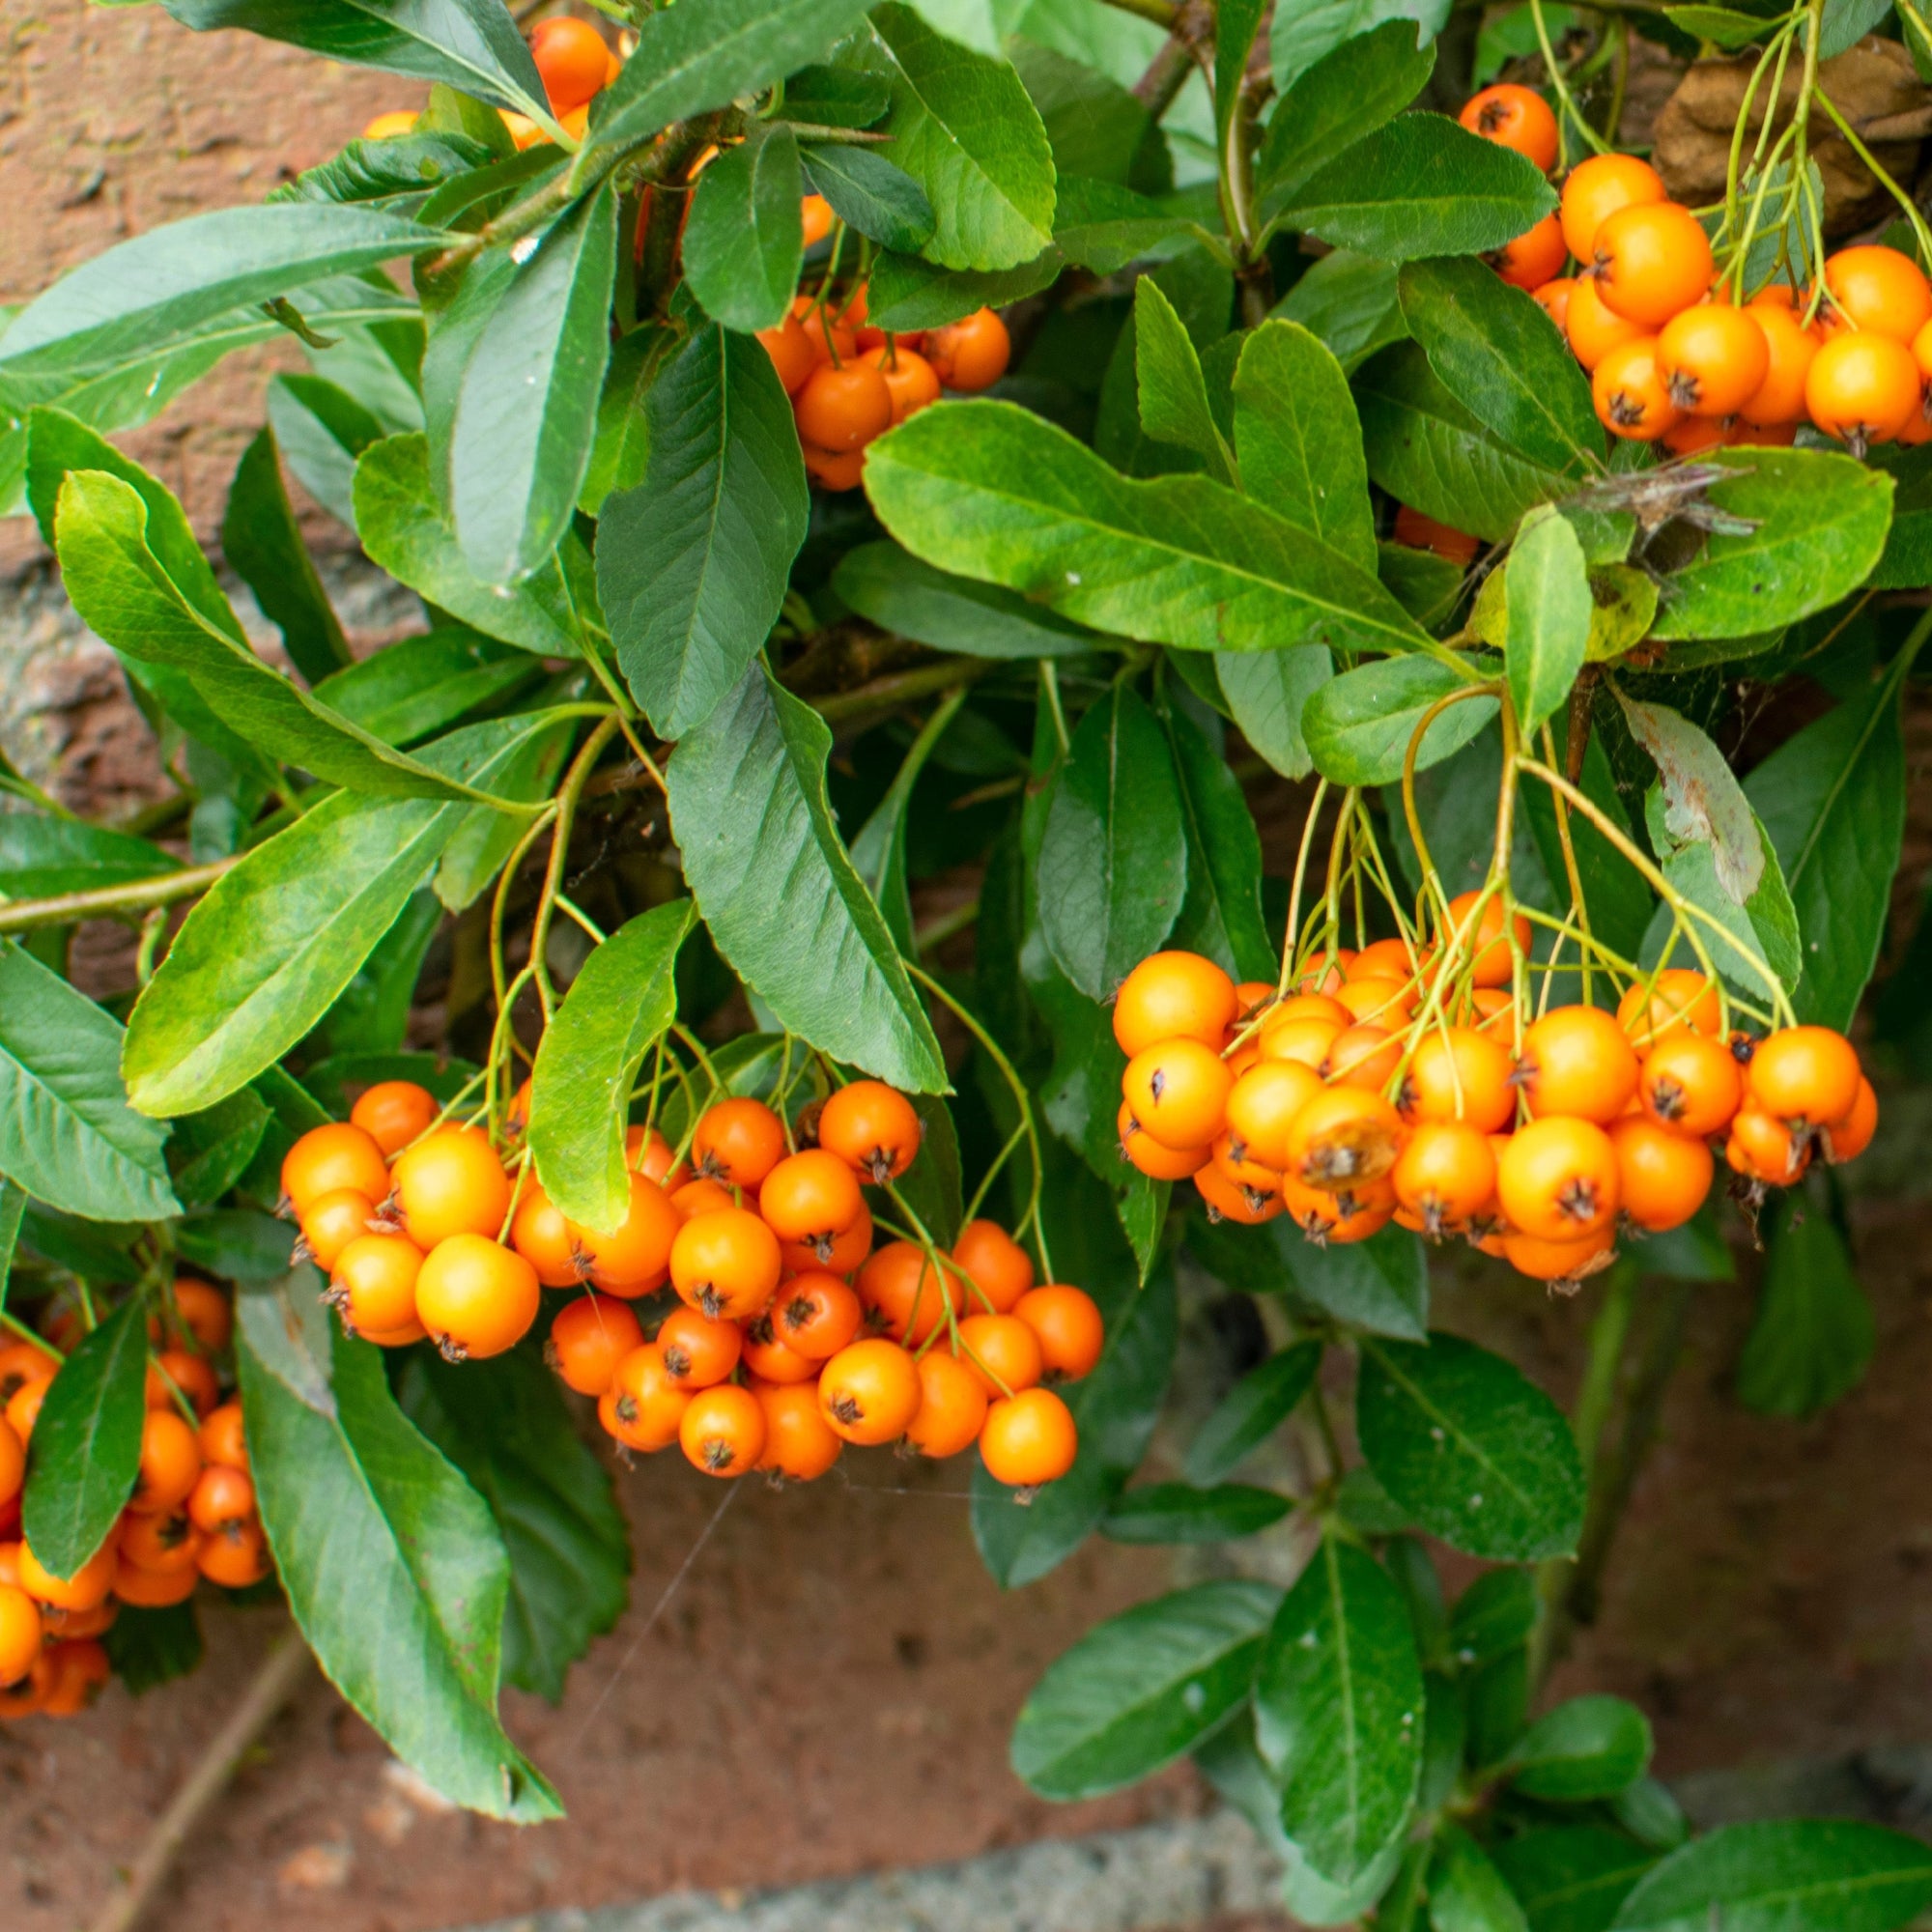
[
  {"x": 1495, "y": 1615},
  {"x": 1251, "y": 1411},
  {"x": 1420, "y": 186},
  {"x": 212, "y": 1149},
  {"x": 1549, "y": 612},
  {"x": 1815, "y": 1334},
  {"x": 765, "y": 863},
  {"x": 1820, "y": 523},
  {"x": 1427, "y": 450},
  {"x": 932, "y": 1185},
  {"x": 1723, "y": 26},
  {"x": 1113, "y": 862},
  {"x": 320, "y": 430},
  {"x": 262, "y": 543},
  {"x": 991, "y": 491},
  {"x": 236, "y": 1243},
  {"x": 879, "y": 849},
  {"x": 1779, "y": 1877},
  {"x": 1466, "y": 1893},
  {"x": 692, "y": 565},
  {"x": 469, "y": 44},
  {"x": 1471, "y": 1447},
  {"x": 961, "y": 125},
  {"x": 836, "y": 97},
  {"x": 1833, "y": 799},
  {"x": 1349, "y": 303},
  {"x": 397, "y": 174},
  {"x": 1571, "y": 1878},
  {"x": 1221, "y": 915},
  {"x": 266, "y": 951},
  {"x": 66, "y": 1133},
  {"x": 150, "y": 1648},
  {"x": 424, "y": 683},
  {"x": 94, "y": 1250},
  {"x": 408, "y": 532},
  {"x": 1354, "y": 88},
  {"x": 504, "y": 1425},
  {"x": 1358, "y": 725},
  {"x": 1100, "y": 226},
  {"x": 12, "y": 1211},
  {"x": 904, "y": 594},
  {"x": 1267, "y": 693},
  {"x": 161, "y": 285},
  {"x": 1177, "y": 1513},
  {"x": 87, "y": 1442},
  {"x": 621, "y": 448},
  {"x": 124, "y": 591},
  {"x": 872, "y": 194},
  {"x": 1300, "y": 442},
  {"x": 907, "y": 292},
  {"x": 1304, "y": 32},
  {"x": 42, "y": 855},
  {"x": 393, "y": 1568},
  {"x": 742, "y": 238},
  {"x": 1173, "y": 392},
  {"x": 1339, "y": 1709},
  {"x": 616, "y": 1011},
  {"x": 1505, "y": 362},
  {"x": 1380, "y": 1284},
  {"x": 711, "y": 54},
  {"x": 1586, "y": 1748},
  {"x": 525, "y": 414},
  {"x": 1098, "y": 130},
  {"x": 1114, "y": 1408},
  {"x": 1141, "y": 1689},
  {"x": 1236, "y": 24}
]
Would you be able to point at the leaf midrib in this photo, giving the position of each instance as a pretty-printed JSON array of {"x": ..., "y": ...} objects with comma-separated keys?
[{"x": 1472, "y": 1447}]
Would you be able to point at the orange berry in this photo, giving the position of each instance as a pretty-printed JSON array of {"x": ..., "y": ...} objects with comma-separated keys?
[
  {"x": 1517, "y": 117},
  {"x": 1651, "y": 259},
  {"x": 737, "y": 1141},
  {"x": 815, "y": 218},
  {"x": 843, "y": 407},
  {"x": 173, "y": 1371},
  {"x": 1553, "y": 298},
  {"x": 1174, "y": 996},
  {"x": 168, "y": 1543},
  {"x": 540, "y": 1234},
  {"x": 1420, "y": 533},
  {"x": 723, "y": 1431},
  {"x": 1661, "y": 1177},
  {"x": 910, "y": 379},
  {"x": 726, "y": 1265},
  {"x": 798, "y": 1442},
  {"x": 1679, "y": 1001},
  {"x": 1261, "y": 1106},
  {"x": 1807, "y": 1076},
  {"x": 870, "y": 1392},
  {"x": 807, "y": 1198},
  {"x": 1630, "y": 394},
  {"x": 1029, "y": 1439},
  {"x": 997, "y": 1271},
  {"x": 589, "y": 1338},
  {"x": 771, "y": 1360},
  {"x": 170, "y": 1463},
  {"x": 392, "y": 1113},
  {"x": 815, "y": 1314},
  {"x": 643, "y": 1408},
  {"x": 19, "y": 1634},
  {"x": 952, "y": 1407},
  {"x": 1228, "y": 1200},
  {"x": 1576, "y": 1060},
  {"x": 1862, "y": 388},
  {"x": 1342, "y": 1138},
  {"x": 1845, "y": 1140},
  {"x": 329, "y": 1157},
  {"x": 790, "y": 351},
  {"x": 1690, "y": 1084},
  {"x": 237, "y": 1558},
  {"x": 1363, "y": 1056},
  {"x": 399, "y": 121},
  {"x": 84, "y": 1590},
  {"x": 905, "y": 1292},
  {"x": 451, "y": 1183},
  {"x": 1446, "y": 1175},
  {"x": 850, "y": 1248},
  {"x": 697, "y": 1352},
  {"x": 1592, "y": 329},
  {"x": 374, "y": 1283},
  {"x": 12, "y": 1463},
  {"x": 1178, "y": 1091},
  {"x": 222, "y": 1439},
  {"x": 1146, "y": 1154},
  {"x": 1002, "y": 1350},
  {"x": 1458, "y": 1073},
  {"x": 220, "y": 1496},
  {"x": 1557, "y": 1180},
  {"x": 632, "y": 1261},
  {"x": 1487, "y": 939},
  {"x": 1066, "y": 1322},
  {"x": 971, "y": 353},
  {"x": 572, "y": 57},
  {"x": 332, "y": 1220},
  {"x": 475, "y": 1297},
  {"x": 872, "y": 1128},
  {"x": 1877, "y": 290},
  {"x": 1556, "y": 1261},
  {"x": 836, "y": 469},
  {"x": 1596, "y": 188},
  {"x": 1304, "y": 1039},
  {"x": 692, "y": 1197},
  {"x": 1535, "y": 258},
  {"x": 1714, "y": 357}
]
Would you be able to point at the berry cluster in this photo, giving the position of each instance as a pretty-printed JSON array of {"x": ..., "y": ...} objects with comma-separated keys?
[
  {"x": 1678, "y": 352},
  {"x": 191, "y": 1514},
  {"x": 1358, "y": 1099},
  {"x": 794, "y": 1337}
]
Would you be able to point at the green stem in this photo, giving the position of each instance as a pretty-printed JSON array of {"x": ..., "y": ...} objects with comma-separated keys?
[{"x": 107, "y": 901}]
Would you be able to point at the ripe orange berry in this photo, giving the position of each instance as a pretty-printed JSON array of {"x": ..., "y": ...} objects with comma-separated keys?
[
  {"x": 332, "y": 1220},
  {"x": 738, "y": 1142},
  {"x": 798, "y": 1441},
  {"x": 237, "y": 1558},
  {"x": 475, "y": 1297},
  {"x": 1228, "y": 1200},
  {"x": 329, "y": 1157},
  {"x": 1378, "y": 999},
  {"x": 19, "y": 1634},
  {"x": 1763, "y": 1149},
  {"x": 1342, "y": 1138},
  {"x": 771, "y": 1360},
  {"x": 649, "y": 1154},
  {"x": 1178, "y": 1091},
  {"x": 451, "y": 1183},
  {"x": 1593, "y": 330},
  {"x": 1363, "y": 1056},
  {"x": 23, "y": 1362},
  {"x": 829, "y": 338},
  {"x": 1029, "y": 1439},
  {"x": 1458, "y": 1073},
  {"x": 1517, "y": 117},
  {"x": 374, "y": 1283},
  {"x": 870, "y": 1128},
  {"x": 221, "y": 1438},
  {"x": 850, "y": 1248},
  {"x": 1146, "y": 1154},
  {"x": 1862, "y": 388},
  {"x": 696, "y": 1352},
  {"x": 1174, "y": 996},
  {"x": 997, "y": 1271},
  {"x": 723, "y": 1431},
  {"x": 170, "y": 1463},
  {"x": 1650, "y": 259},
  {"x": 392, "y": 1113},
  {"x": 1557, "y": 1180},
  {"x": 589, "y": 1338},
  {"x": 1422, "y": 533},
  {"x": 1877, "y": 290},
  {"x": 221, "y": 1495},
  {"x": 693, "y": 1198},
  {"x": 1690, "y": 1083},
  {"x": 1446, "y": 1175},
  {"x": 205, "y": 1312},
  {"x": 1232, "y": 1162},
  {"x": 951, "y": 1408},
  {"x": 1680, "y": 1001},
  {"x": 643, "y": 1408},
  {"x": 971, "y": 353},
  {"x": 540, "y": 1234},
  {"x": 84, "y": 1590},
  {"x": 836, "y": 469},
  {"x": 572, "y": 57},
  {"x": 1807, "y": 1076},
  {"x": 169, "y": 1543},
  {"x": 23, "y": 1407},
  {"x": 1534, "y": 258},
  {"x": 842, "y": 408},
  {"x": 1553, "y": 298},
  {"x": 1690, "y": 434},
  {"x": 1261, "y": 1106},
  {"x": 1066, "y": 1322},
  {"x": 155, "y": 1589},
  {"x": 790, "y": 351},
  {"x": 807, "y": 1198},
  {"x": 1304, "y": 1038},
  {"x": 1845, "y": 1140},
  {"x": 1661, "y": 1177},
  {"x": 1557, "y": 1260},
  {"x": 632, "y": 1261},
  {"x": 724, "y": 1264},
  {"x": 1576, "y": 1060},
  {"x": 1487, "y": 940},
  {"x": 1714, "y": 357},
  {"x": 12, "y": 1463},
  {"x": 1002, "y": 1350},
  {"x": 869, "y": 1392},
  {"x": 1596, "y": 188},
  {"x": 815, "y": 217},
  {"x": 817, "y": 1315},
  {"x": 905, "y": 1293},
  {"x": 910, "y": 379},
  {"x": 174, "y": 1370},
  {"x": 1630, "y": 394}
]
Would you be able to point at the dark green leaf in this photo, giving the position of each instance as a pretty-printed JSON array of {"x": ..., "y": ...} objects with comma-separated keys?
[
  {"x": 1587, "y": 1747},
  {"x": 94, "y": 1250},
  {"x": 932, "y": 1186},
  {"x": 1380, "y": 1284},
  {"x": 398, "y": 172},
  {"x": 1100, "y": 226},
  {"x": 421, "y": 685},
  {"x": 1815, "y": 1333},
  {"x": 1466, "y": 1893},
  {"x": 1173, "y": 392},
  {"x": 1176, "y": 1513},
  {"x": 320, "y": 429},
  {"x": 1098, "y": 130},
  {"x": 742, "y": 238},
  {"x": 872, "y": 194},
  {"x": 12, "y": 1211},
  {"x": 236, "y": 1243},
  {"x": 1358, "y": 725},
  {"x": 1267, "y": 692},
  {"x": 150, "y": 1648},
  {"x": 1779, "y": 1877},
  {"x": 906, "y": 291},
  {"x": 1221, "y": 915},
  {"x": 991, "y": 491},
  {"x": 1571, "y": 1878},
  {"x": 1339, "y": 1711},
  {"x": 504, "y": 1425},
  {"x": 1141, "y": 1689},
  {"x": 692, "y": 565},
  {"x": 1549, "y": 613},
  {"x": 260, "y": 540},
  {"x": 212, "y": 1149},
  {"x": 879, "y": 849},
  {"x": 1495, "y": 1615},
  {"x": 765, "y": 863},
  {"x": 87, "y": 1442},
  {"x": 836, "y": 97},
  {"x": 1301, "y": 34},
  {"x": 66, "y": 1133},
  {"x": 42, "y": 855},
  {"x": 1352, "y": 89},
  {"x": 1251, "y": 1411},
  {"x": 902, "y": 594},
  {"x": 1349, "y": 303},
  {"x": 621, "y": 446},
  {"x": 616, "y": 1011},
  {"x": 1420, "y": 186},
  {"x": 1112, "y": 862},
  {"x": 1474, "y": 1450}
]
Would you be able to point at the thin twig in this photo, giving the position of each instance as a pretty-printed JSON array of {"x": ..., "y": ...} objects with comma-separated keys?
[{"x": 106, "y": 901}]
